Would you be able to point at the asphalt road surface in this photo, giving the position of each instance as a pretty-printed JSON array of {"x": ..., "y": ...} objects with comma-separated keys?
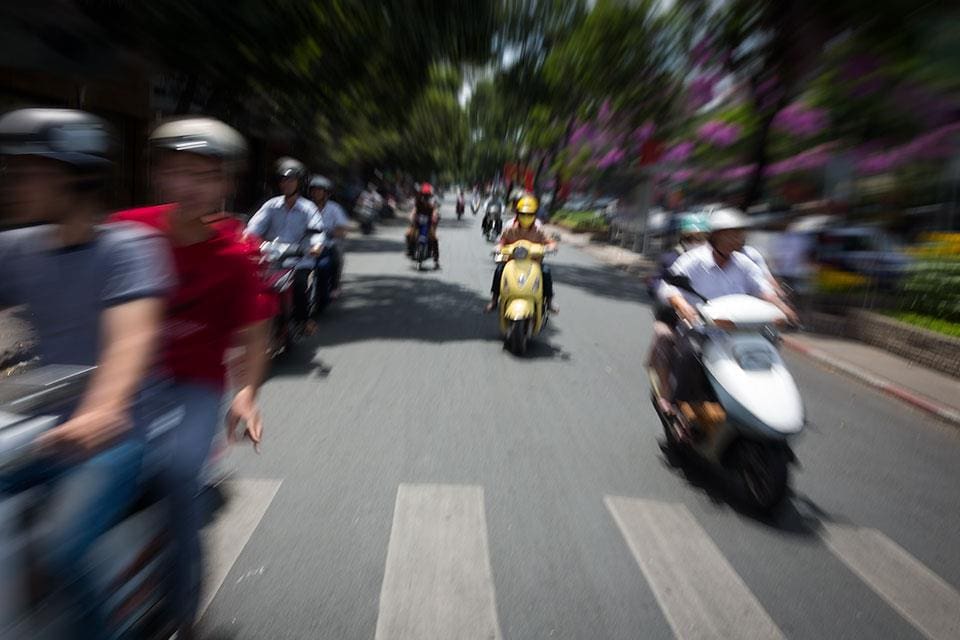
[{"x": 418, "y": 482}]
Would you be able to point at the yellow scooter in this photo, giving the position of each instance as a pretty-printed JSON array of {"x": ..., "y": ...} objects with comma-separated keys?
[{"x": 523, "y": 313}]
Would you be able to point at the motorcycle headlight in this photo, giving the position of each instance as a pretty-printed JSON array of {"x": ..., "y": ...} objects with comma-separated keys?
[{"x": 520, "y": 253}]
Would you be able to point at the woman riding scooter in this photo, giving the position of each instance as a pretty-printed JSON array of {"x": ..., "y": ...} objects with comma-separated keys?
[{"x": 524, "y": 226}]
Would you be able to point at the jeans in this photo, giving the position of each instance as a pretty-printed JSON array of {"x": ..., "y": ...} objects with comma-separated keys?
[
  {"x": 180, "y": 455},
  {"x": 81, "y": 503},
  {"x": 547, "y": 281}
]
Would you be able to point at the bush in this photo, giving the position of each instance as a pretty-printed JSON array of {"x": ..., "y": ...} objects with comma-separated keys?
[
  {"x": 931, "y": 324},
  {"x": 580, "y": 221},
  {"x": 932, "y": 289}
]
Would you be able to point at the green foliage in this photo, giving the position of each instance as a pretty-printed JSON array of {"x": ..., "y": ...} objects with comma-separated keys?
[
  {"x": 580, "y": 221},
  {"x": 939, "y": 325},
  {"x": 933, "y": 289}
]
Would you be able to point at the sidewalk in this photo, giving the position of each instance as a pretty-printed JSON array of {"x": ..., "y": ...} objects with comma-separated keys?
[
  {"x": 927, "y": 390},
  {"x": 617, "y": 257},
  {"x": 930, "y": 391}
]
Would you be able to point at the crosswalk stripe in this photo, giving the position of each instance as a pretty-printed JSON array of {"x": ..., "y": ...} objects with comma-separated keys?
[
  {"x": 700, "y": 594},
  {"x": 922, "y": 597},
  {"x": 438, "y": 583},
  {"x": 225, "y": 539}
]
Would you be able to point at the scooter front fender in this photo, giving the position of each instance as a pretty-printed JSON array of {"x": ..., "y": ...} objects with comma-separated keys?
[{"x": 519, "y": 309}]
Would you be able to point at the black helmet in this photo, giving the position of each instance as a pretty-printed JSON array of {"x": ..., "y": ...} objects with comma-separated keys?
[
  {"x": 287, "y": 167},
  {"x": 321, "y": 182},
  {"x": 203, "y": 136},
  {"x": 77, "y": 138}
]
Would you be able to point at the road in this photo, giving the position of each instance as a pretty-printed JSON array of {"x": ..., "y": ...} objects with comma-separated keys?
[{"x": 418, "y": 482}]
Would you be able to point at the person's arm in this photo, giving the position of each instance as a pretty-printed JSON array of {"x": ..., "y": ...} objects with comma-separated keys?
[
  {"x": 129, "y": 333},
  {"x": 341, "y": 224},
  {"x": 315, "y": 221},
  {"x": 672, "y": 296},
  {"x": 259, "y": 224},
  {"x": 761, "y": 288},
  {"x": 249, "y": 370}
]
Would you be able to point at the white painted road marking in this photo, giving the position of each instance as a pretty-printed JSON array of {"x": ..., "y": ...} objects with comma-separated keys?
[
  {"x": 438, "y": 584},
  {"x": 225, "y": 539},
  {"x": 699, "y": 592},
  {"x": 918, "y": 594}
]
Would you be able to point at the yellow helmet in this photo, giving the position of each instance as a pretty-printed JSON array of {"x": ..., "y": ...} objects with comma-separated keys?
[{"x": 527, "y": 204}]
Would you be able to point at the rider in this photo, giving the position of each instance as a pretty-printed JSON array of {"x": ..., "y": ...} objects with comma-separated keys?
[
  {"x": 461, "y": 202},
  {"x": 425, "y": 204},
  {"x": 714, "y": 269},
  {"x": 492, "y": 217},
  {"x": 335, "y": 225},
  {"x": 217, "y": 306},
  {"x": 524, "y": 226},
  {"x": 96, "y": 298},
  {"x": 292, "y": 219}
]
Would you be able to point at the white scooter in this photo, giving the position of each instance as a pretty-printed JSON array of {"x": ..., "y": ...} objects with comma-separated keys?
[{"x": 735, "y": 403}]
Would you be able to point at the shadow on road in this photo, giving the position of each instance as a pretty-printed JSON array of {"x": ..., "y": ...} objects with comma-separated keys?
[
  {"x": 601, "y": 281},
  {"x": 418, "y": 307},
  {"x": 797, "y": 515},
  {"x": 373, "y": 244}
]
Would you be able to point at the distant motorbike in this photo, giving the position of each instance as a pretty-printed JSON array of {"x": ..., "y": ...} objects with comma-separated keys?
[
  {"x": 735, "y": 400},
  {"x": 492, "y": 223},
  {"x": 421, "y": 250},
  {"x": 522, "y": 311},
  {"x": 461, "y": 207},
  {"x": 366, "y": 216},
  {"x": 129, "y": 563}
]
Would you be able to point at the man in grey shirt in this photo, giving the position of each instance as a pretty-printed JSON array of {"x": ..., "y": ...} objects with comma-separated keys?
[{"x": 95, "y": 296}]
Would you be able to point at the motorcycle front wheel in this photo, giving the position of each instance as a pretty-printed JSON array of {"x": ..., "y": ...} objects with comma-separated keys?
[
  {"x": 516, "y": 338},
  {"x": 762, "y": 474}
]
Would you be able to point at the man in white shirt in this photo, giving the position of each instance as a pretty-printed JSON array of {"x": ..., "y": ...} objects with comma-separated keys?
[
  {"x": 335, "y": 225},
  {"x": 293, "y": 219},
  {"x": 714, "y": 269}
]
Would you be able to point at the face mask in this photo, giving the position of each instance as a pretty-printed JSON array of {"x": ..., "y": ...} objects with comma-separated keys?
[{"x": 526, "y": 220}]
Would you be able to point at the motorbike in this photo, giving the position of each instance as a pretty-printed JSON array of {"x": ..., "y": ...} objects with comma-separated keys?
[
  {"x": 421, "y": 250},
  {"x": 522, "y": 311},
  {"x": 736, "y": 406},
  {"x": 129, "y": 563},
  {"x": 277, "y": 273},
  {"x": 492, "y": 224}
]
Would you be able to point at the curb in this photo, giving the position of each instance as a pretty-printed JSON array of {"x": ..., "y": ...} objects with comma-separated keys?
[{"x": 886, "y": 387}]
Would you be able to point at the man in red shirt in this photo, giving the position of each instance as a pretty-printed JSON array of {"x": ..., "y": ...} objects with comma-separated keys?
[{"x": 217, "y": 305}]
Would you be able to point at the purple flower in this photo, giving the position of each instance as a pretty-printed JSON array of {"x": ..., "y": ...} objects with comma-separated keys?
[
  {"x": 938, "y": 144},
  {"x": 678, "y": 153},
  {"x": 603, "y": 116},
  {"x": 719, "y": 134},
  {"x": 579, "y": 134},
  {"x": 611, "y": 158},
  {"x": 702, "y": 52},
  {"x": 700, "y": 91},
  {"x": 808, "y": 160},
  {"x": 800, "y": 120}
]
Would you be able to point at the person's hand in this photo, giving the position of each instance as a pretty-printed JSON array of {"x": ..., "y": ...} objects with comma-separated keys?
[
  {"x": 85, "y": 433},
  {"x": 244, "y": 408},
  {"x": 791, "y": 314},
  {"x": 684, "y": 309},
  {"x": 316, "y": 250}
]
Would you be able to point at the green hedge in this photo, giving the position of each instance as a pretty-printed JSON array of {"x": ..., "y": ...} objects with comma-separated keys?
[
  {"x": 580, "y": 221},
  {"x": 932, "y": 289}
]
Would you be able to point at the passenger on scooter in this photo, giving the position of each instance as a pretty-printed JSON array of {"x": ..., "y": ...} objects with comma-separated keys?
[
  {"x": 291, "y": 218},
  {"x": 216, "y": 306},
  {"x": 96, "y": 296},
  {"x": 335, "y": 225},
  {"x": 524, "y": 226},
  {"x": 714, "y": 269},
  {"x": 425, "y": 204}
]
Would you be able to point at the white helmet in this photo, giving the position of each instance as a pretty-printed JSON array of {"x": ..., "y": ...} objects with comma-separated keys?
[{"x": 728, "y": 218}]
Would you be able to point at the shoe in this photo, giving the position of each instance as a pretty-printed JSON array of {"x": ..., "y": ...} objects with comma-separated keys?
[{"x": 436, "y": 266}]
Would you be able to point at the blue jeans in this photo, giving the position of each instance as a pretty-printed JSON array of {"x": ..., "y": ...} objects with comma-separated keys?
[
  {"x": 81, "y": 502},
  {"x": 181, "y": 452}
]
